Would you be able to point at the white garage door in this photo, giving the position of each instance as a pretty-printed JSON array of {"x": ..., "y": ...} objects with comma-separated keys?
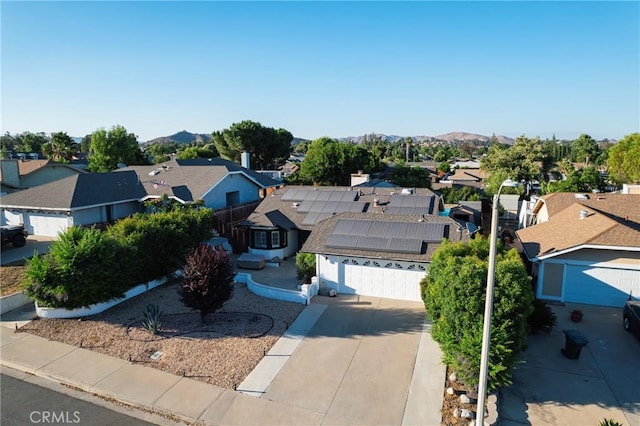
[
  {"x": 45, "y": 225},
  {"x": 600, "y": 286},
  {"x": 382, "y": 282}
]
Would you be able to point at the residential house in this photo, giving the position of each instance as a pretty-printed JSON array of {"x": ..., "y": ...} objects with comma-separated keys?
[
  {"x": 104, "y": 197},
  {"x": 21, "y": 173},
  {"x": 81, "y": 199},
  {"x": 585, "y": 248},
  {"x": 373, "y": 241}
]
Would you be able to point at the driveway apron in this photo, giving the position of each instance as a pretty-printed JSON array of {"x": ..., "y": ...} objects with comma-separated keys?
[{"x": 356, "y": 363}]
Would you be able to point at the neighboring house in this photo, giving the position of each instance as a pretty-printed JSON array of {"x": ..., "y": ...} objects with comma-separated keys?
[
  {"x": 373, "y": 241},
  {"x": 19, "y": 174},
  {"x": 82, "y": 199},
  {"x": 381, "y": 255},
  {"x": 217, "y": 182},
  {"x": 585, "y": 248},
  {"x": 90, "y": 198}
]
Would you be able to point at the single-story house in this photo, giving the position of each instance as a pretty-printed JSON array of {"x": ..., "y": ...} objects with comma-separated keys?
[
  {"x": 81, "y": 199},
  {"x": 283, "y": 221},
  {"x": 585, "y": 248},
  {"x": 217, "y": 182},
  {"x": 90, "y": 198},
  {"x": 21, "y": 173},
  {"x": 381, "y": 255}
]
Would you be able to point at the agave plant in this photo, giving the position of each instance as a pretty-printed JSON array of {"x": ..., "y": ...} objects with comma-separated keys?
[{"x": 152, "y": 319}]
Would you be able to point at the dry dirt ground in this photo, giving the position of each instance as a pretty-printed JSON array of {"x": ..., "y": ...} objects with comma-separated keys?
[
  {"x": 11, "y": 277},
  {"x": 222, "y": 350}
]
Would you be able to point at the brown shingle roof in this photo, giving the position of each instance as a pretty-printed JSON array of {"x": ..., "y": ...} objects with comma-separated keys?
[
  {"x": 612, "y": 220},
  {"x": 317, "y": 241}
]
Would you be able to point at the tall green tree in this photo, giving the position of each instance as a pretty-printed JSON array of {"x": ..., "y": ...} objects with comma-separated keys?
[
  {"x": 268, "y": 147},
  {"x": 411, "y": 176},
  {"x": 585, "y": 149},
  {"x": 60, "y": 148},
  {"x": 32, "y": 142},
  {"x": 519, "y": 162},
  {"x": 329, "y": 162},
  {"x": 624, "y": 159},
  {"x": 113, "y": 146},
  {"x": 454, "y": 295}
]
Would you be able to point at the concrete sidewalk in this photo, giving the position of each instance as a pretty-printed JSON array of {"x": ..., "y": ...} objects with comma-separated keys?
[{"x": 197, "y": 402}]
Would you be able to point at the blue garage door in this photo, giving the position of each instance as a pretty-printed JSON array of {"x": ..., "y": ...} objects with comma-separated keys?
[{"x": 600, "y": 286}]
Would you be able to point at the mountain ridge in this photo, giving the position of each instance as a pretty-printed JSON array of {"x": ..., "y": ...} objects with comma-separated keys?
[{"x": 185, "y": 137}]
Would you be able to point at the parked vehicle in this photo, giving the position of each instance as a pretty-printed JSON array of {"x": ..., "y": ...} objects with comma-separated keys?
[
  {"x": 14, "y": 234},
  {"x": 631, "y": 317}
]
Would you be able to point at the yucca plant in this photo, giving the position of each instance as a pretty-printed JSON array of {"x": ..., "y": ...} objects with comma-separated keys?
[
  {"x": 609, "y": 422},
  {"x": 152, "y": 319}
]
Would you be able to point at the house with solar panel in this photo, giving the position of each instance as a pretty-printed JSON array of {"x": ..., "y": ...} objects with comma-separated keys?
[{"x": 373, "y": 241}]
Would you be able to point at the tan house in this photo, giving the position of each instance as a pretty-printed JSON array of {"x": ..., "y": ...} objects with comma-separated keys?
[{"x": 585, "y": 248}]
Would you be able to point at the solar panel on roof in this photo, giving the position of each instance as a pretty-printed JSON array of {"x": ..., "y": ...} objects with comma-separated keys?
[
  {"x": 304, "y": 207},
  {"x": 310, "y": 218},
  {"x": 356, "y": 207},
  {"x": 405, "y": 245},
  {"x": 311, "y": 195},
  {"x": 341, "y": 241},
  {"x": 406, "y": 211},
  {"x": 290, "y": 195},
  {"x": 324, "y": 195},
  {"x": 372, "y": 243},
  {"x": 433, "y": 232}
]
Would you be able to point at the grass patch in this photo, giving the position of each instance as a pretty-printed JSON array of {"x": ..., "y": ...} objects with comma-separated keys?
[{"x": 11, "y": 278}]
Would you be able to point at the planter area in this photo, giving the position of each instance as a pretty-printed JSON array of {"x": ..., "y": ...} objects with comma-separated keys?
[{"x": 97, "y": 308}]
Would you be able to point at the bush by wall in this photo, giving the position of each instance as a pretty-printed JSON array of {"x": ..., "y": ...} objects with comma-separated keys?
[
  {"x": 85, "y": 266},
  {"x": 305, "y": 265},
  {"x": 88, "y": 266}
]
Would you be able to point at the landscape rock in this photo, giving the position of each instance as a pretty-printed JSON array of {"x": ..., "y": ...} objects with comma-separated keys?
[
  {"x": 467, "y": 414},
  {"x": 456, "y": 412},
  {"x": 465, "y": 399},
  {"x": 453, "y": 377},
  {"x": 450, "y": 391}
]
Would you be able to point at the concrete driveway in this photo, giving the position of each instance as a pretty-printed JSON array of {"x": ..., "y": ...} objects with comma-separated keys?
[
  {"x": 11, "y": 254},
  {"x": 355, "y": 365},
  {"x": 550, "y": 389}
]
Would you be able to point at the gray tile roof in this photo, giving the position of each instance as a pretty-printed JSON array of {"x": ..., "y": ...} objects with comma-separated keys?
[
  {"x": 190, "y": 180},
  {"x": 364, "y": 198},
  {"x": 322, "y": 232},
  {"x": 78, "y": 191}
]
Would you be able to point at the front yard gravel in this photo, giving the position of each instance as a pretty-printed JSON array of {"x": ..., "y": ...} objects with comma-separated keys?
[{"x": 222, "y": 351}]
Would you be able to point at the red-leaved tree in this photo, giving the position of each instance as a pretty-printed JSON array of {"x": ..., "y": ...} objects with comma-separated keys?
[{"x": 207, "y": 279}]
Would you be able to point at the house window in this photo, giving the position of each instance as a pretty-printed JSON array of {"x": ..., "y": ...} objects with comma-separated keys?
[
  {"x": 268, "y": 239},
  {"x": 260, "y": 239}
]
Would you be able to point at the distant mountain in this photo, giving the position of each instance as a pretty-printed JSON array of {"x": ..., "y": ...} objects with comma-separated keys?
[
  {"x": 447, "y": 137},
  {"x": 182, "y": 137},
  {"x": 464, "y": 136}
]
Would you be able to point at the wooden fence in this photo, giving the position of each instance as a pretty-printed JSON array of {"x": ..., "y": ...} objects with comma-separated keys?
[{"x": 228, "y": 218}]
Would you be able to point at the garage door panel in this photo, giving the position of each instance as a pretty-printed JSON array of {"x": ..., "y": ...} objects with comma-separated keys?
[
  {"x": 600, "y": 286},
  {"x": 45, "y": 225},
  {"x": 382, "y": 282}
]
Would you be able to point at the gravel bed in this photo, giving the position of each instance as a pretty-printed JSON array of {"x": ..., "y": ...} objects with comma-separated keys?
[{"x": 221, "y": 351}]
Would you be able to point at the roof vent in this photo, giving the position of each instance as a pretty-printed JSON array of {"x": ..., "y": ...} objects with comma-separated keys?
[
  {"x": 584, "y": 214},
  {"x": 153, "y": 172},
  {"x": 582, "y": 197},
  {"x": 376, "y": 201},
  {"x": 296, "y": 204},
  {"x": 406, "y": 191}
]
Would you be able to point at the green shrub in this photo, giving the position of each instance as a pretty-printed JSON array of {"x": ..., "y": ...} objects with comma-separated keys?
[
  {"x": 207, "y": 279},
  {"x": 454, "y": 294},
  {"x": 609, "y": 422},
  {"x": 305, "y": 265},
  {"x": 541, "y": 319},
  {"x": 85, "y": 266}
]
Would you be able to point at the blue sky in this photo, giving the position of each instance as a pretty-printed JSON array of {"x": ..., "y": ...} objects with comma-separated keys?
[{"x": 323, "y": 68}]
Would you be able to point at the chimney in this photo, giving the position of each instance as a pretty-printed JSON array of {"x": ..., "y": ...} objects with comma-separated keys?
[
  {"x": 584, "y": 214},
  {"x": 245, "y": 160}
]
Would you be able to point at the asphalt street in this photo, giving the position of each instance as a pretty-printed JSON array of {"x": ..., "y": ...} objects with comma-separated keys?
[{"x": 24, "y": 403}]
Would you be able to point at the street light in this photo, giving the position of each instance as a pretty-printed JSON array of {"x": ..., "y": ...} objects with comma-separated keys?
[{"x": 488, "y": 306}]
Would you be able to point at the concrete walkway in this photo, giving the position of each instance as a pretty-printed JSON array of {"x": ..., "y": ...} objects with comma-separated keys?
[{"x": 381, "y": 368}]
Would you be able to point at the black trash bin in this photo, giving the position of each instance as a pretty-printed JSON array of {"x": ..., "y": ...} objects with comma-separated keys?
[{"x": 574, "y": 342}]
